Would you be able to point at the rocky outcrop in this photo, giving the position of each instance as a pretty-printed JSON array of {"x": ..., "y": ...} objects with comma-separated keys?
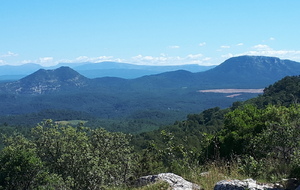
[
  {"x": 176, "y": 182},
  {"x": 248, "y": 184}
]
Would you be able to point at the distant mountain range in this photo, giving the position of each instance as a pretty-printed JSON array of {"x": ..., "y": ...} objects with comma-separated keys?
[
  {"x": 96, "y": 70},
  {"x": 170, "y": 94},
  {"x": 252, "y": 71}
]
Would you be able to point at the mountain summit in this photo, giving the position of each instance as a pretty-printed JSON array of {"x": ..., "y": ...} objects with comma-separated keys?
[
  {"x": 47, "y": 81},
  {"x": 61, "y": 74},
  {"x": 236, "y": 72},
  {"x": 258, "y": 65},
  {"x": 252, "y": 71}
]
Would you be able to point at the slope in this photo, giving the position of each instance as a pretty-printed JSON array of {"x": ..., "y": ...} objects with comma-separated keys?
[
  {"x": 170, "y": 94},
  {"x": 251, "y": 71},
  {"x": 46, "y": 81}
]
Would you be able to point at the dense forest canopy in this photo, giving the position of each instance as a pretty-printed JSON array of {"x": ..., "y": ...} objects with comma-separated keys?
[{"x": 261, "y": 135}]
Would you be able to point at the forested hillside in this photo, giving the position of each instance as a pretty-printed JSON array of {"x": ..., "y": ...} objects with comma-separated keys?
[
  {"x": 260, "y": 137},
  {"x": 140, "y": 104},
  {"x": 261, "y": 133}
]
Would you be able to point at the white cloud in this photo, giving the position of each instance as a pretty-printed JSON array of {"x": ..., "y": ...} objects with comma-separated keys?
[
  {"x": 265, "y": 50},
  {"x": 140, "y": 59},
  {"x": 82, "y": 58},
  {"x": 226, "y": 56},
  {"x": 194, "y": 56},
  {"x": 49, "y": 61},
  {"x": 162, "y": 59},
  {"x": 225, "y": 47},
  {"x": 239, "y": 44},
  {"x": 174, "y": 47},
  {"x": 45, "y": 59},
  {"x": 27, "y": 61},
  {"x": 94, "y": 59},
  {"x": 260, "y": 47},
  {"x": 9, "y": 54},
  {"x": 169, "y": 60},
  {"x": 207, "y": 59},
  {"x": 202, "y": 44},
  {"x": 283, "y": 54},
  {"x": 271, "y": 38}
]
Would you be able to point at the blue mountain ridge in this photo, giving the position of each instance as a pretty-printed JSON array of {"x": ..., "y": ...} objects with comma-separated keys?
[
  {"x": 96, "y": 70},
  {"x": 174, "y": 92}
]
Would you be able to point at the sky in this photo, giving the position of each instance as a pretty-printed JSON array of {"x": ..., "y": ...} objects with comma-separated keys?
[{"x": 147, "y": 32}]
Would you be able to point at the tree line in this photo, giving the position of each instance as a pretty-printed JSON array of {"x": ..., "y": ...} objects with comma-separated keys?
[{"x": 261, "y": 135}]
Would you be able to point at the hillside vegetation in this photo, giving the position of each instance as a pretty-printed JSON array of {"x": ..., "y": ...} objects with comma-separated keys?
[
  {"x": 140, "y": 104},
  {"x": 258, "y": 138}
]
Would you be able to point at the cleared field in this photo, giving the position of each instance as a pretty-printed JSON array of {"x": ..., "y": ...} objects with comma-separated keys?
[
  {"x": 229, "y": 91},
  {"x": 71, "y": 122}
]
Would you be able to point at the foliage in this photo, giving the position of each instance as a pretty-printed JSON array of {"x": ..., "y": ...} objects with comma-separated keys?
[
  {"x": 176, "y": 148},
  {"x": 248, "y": 165},
  {"x": 284, "y": 92},
  {"x": 79, "y": 158},
  {"x": 261, "y": 138},
  {"x": 21, "y": 168},
  {"x": 281, "y": 136},
  {"x": 208, "y": 174},
  {"x": 258, "y": 138},
  {"x": 18, "y": 168},
  {"x": 240, "y": 126}
]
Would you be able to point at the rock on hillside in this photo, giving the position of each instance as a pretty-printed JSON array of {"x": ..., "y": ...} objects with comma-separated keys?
[
  {"x": 176, "y": 182},
  {"x": 249, "y": 184}
]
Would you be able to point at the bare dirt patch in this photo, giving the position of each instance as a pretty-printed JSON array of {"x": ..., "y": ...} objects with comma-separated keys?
[
  {"x": 229, "y": 91},
  {"x": 233, "y": 95}
]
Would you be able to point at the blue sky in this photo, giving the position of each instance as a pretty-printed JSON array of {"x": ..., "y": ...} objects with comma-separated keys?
[{"x": 151, "y": 32}]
